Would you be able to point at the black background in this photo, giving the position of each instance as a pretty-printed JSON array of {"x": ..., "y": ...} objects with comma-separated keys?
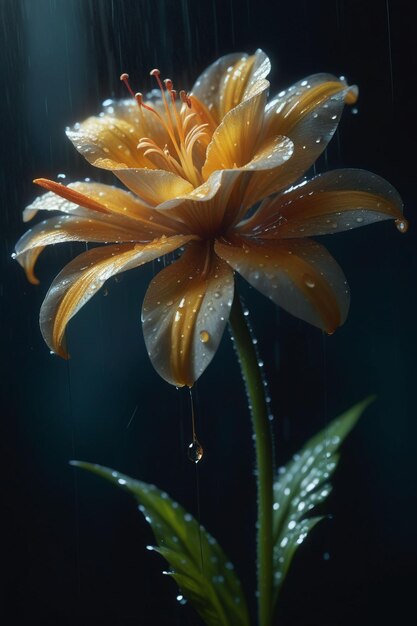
[{"x": 73, "y": 548}]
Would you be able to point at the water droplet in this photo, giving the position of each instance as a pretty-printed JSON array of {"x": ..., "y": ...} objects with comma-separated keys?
[
  {"x": 402, "y": 225},
  {"x": 204, "y": 336},
  {"x": 309, "y": 281},
  {"x": 181, "y": 599},
  {"x": 195, "y": 451}
]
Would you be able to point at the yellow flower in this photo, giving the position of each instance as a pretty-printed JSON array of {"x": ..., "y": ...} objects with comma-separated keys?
[{"x": 195, "y": 165}]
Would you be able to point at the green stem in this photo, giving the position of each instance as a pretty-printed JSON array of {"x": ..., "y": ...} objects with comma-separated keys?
[{"x": 263, "y": 445}]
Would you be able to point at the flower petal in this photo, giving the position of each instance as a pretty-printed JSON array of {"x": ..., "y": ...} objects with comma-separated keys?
[
  {"x": 298, "y": 275},
  {"x": 104, "y": 203},
  {"x": 211, "y": 208},
  {"x": 235, "y": 141},
  {"x": 63, "y": 229},
  {"x": 308, "y": 113},
  {"x": 83, "y": 277},
  {"x": 329, "y": 203},
  {"x": 108, "y": 142},
  {"x": 227, "y": 82},
  {"x": 184, "y": 314},
  {"x": 154, "y": 186}
]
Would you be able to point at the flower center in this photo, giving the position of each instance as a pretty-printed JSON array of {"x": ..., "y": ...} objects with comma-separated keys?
[{"x": 182, "y": 124}]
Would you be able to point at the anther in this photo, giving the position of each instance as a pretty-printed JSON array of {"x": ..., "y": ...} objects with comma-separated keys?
[
  {"x": 168, "y": 84},
  {"x": 138, "y": 98},
  {"x": 154, "y": 72},
  {"x": 125, "y": 78},
  {"x": 185, "y": 98}
]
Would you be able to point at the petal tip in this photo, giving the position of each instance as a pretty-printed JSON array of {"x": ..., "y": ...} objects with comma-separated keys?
[{"x": 352, "y": 94}]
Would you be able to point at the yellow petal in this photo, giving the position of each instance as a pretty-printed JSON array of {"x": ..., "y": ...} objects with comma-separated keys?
[
  {"x": 108, "y": 142},
  {"x": 308, "y": 113},
  {"x": 226, "y": 83},
  {"x": 211, "y": 208},
  {"x": 298, "y": 275},
  {"x": 85, "y": 275},
  {"x": 154, "y": 186},
  {"x": 63, "y": 229},
  {"x": 329, "y": 203},
  {"x": 236, "y": 140},
  {"x": 184, "y": 314}
]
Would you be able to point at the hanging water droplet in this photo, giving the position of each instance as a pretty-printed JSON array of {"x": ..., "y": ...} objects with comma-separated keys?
[
  {"x": 195, "y": 451},
  {"x": 204, "y": 336},
  {"x": 309, "y": 281},
  {"x": 402, "y": 225}
]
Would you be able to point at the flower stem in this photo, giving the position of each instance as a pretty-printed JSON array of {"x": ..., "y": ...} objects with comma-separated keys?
[{"x": 263, "y": 446}]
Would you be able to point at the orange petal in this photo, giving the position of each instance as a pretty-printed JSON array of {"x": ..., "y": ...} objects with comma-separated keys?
[
  {"x": 236, "y": 140},
  {"x": 184, "y": 314},
  {"x": 63, "y": 229},
  {"x": 105, "y": 203},
  {"x": 154, "y": 186},
  {"x": 329, "y": 203},
  {"x": 308, "y": 113},
  {"x": 298, "y": 275},
  {"x": 85, "y": 275},
  {"x": 226, "y": 83}
]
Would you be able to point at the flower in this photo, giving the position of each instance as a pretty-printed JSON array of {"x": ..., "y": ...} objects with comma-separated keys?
[{"x": 197, "y": 168}]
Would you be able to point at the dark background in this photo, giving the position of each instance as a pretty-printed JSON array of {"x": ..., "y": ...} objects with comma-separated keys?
[{"x": 73, "y": 548}]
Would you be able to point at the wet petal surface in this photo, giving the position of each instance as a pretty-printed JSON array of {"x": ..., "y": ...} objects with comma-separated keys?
[
  {"x": 329, "y": 203},
  {"x": 85, "y": 275},
  {"x": 184, "y": 314},
  {"x": 298, "y": 275}
]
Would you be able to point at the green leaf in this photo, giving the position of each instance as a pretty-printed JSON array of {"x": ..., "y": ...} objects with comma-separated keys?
[
  {"x": 302, "y": 485},
  {"x": 199, "y": 566}
]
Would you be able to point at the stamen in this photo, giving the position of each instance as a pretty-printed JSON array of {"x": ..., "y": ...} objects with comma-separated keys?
[
  {"x": 168, "y": 84},
  {"x": 185, "y": 98},
  {"x": 182, "y": 127},
  {"x": 125, "y": 78}
]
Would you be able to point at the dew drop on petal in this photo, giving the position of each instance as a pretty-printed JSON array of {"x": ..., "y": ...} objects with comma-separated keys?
[
  {"x": 204, "y": 336},
  {"x": 402, "y": 225},
  {"x": 309, "y": 281}
]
